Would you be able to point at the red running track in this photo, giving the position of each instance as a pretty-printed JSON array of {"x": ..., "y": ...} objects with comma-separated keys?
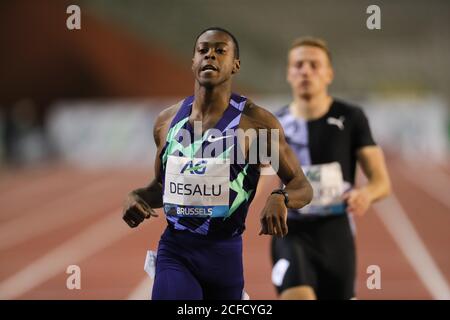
[{"x": 56, "y": 216}]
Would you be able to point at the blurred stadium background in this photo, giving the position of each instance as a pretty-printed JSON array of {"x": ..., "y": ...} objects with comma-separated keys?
[{"x": 77, "y": 109}]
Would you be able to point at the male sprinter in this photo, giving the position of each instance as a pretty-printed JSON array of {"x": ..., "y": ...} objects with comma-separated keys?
[
  {"x": 317, "y": 258},
  {"x": 206, "y": 198}
]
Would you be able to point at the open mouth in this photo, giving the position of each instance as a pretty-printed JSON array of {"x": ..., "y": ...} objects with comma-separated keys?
[
  {"x": 305, "y": 83},
  {"x": 209, "y": 67}
]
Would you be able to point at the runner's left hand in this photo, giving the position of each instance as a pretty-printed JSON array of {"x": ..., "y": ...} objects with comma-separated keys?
[
  {"x": 274, "y": 216},
  {"x": 358, "y": 201}
]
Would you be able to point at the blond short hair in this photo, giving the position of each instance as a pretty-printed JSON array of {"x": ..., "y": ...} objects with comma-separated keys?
[{"x": 311, "y": 42}]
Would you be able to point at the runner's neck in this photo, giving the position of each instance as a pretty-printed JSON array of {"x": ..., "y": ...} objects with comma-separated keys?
[
  {"x": 210, "y": 101},
  {"x": 311, "y": 109}
]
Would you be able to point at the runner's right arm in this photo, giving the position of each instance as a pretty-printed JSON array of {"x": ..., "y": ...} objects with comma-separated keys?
[{"x": 140, "y": 203}]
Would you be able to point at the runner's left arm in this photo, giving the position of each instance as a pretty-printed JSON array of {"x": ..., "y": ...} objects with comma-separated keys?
[
  {"x": 298, "y": 189},
  {"x": 371, "y": 160}
]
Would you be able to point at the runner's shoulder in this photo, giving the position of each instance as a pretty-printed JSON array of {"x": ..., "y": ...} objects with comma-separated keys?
[
  {"x": 168, "y": 113},
  {"x": 260, "y": 117},
  {"x": 163, "y": 121},
  {"x": 284, "y": 110},
  {"x": 349, "y": 110}
]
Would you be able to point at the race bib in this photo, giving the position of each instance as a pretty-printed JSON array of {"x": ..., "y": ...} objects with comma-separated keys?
[
  {"x": 328, "y": 187},
  {"x": 196, "y": 187}
]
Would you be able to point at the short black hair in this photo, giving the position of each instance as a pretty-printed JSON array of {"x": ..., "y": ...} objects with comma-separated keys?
[{"x": 236, "y": 44}]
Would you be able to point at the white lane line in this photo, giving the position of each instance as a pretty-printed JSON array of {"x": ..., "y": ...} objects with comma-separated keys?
[
  {"x": 21, "y": 199},
  {"x": 30, "y": 184},
  {"x": 143, "y": 291},
  {"x": 13, "y": 176},
  {"x": 402, "y": 230},
  {"x": 58, "y": 213},
  {"x": 55, "y": 262},
  {"x": 435, "y": 184}
]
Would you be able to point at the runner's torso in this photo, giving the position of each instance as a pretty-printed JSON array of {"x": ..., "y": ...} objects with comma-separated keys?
[
  {"x": 205, "y": 191},
  {"x": 327, "y": 150}
]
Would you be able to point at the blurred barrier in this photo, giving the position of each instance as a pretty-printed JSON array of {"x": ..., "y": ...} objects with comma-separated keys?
[
  {"x": 415, "y": 128},
  {"x": 110, "y": 133},
  {"x": 120, "y": 133}
]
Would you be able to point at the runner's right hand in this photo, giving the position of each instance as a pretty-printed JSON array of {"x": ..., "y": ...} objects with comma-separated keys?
[{"x": 136, "y": 210}]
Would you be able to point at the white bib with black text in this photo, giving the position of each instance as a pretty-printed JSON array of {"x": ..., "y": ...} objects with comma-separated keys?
[
  {"x": 197, "y": 187},
  {"x": 328, "y": 188}
]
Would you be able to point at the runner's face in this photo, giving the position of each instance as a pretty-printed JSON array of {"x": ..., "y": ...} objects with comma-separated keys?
[
  {"x": 309, "y": 71},
  {"x": 214, "y": 62}
]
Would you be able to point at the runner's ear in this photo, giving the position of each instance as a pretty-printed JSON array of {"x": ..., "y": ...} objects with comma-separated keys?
[{"x": 236, "y": 66}]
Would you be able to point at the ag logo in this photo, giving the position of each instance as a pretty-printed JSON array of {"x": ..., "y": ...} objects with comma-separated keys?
[
  {"x": 313, "y": 174},
  {"x": 198, "y": 168}
]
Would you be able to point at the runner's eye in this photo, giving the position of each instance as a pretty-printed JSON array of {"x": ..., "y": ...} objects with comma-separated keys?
[{"x": 299, "y": 65}]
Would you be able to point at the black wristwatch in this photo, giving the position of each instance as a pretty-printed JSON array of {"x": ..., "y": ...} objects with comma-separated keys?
[{"x": 284, "y": 193}]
